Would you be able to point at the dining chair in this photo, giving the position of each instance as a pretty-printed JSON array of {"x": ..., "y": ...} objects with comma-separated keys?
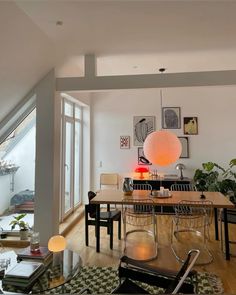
[
  {"x": 140, "y": 228},
  {"x": 109, "y": 180},
  {"x": 191, "y": 221},
  {"x": 106, "y": 219},
  {"x": 132, "y": 273},
  {"x": 183, "y": 187},
  {"x": 231, "y": 218}
]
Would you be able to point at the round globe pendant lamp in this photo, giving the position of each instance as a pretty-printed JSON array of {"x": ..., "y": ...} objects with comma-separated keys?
[{"x": 162, "y": 148}]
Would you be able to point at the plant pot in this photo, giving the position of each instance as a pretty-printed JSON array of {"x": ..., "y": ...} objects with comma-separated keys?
[{"x": 24, "y": 234}]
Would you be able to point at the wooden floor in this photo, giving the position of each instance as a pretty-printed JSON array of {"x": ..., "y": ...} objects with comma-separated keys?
[{"x": 226, "y": 270}]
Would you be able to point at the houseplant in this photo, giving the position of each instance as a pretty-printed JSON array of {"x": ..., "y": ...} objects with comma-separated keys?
[
  {"x": 24, "y": 226},
  {"x": 214, "y": 177}
]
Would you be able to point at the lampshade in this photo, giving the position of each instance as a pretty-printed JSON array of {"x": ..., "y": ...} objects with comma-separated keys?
[
  {"x": 57, "y": 243},
  {"x": 162, "y": 148},
  {"x": 141, "y": 170}
]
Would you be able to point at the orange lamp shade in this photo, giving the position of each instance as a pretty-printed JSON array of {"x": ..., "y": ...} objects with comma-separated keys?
[
  {"x": 57, "y": 243},
  {"x": 162, "y": 148},
  {"x": 141, "y": 170}
]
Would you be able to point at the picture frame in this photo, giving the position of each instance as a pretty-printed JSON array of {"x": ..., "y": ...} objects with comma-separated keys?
[
  {"x": 185, "y": 146},
  {"x": 171, "y": 118},
  {"x": 142, "y": 126},
  {"x": 190, "y": 125},
  {"x": 142, "y": 160},
  {"x": 124, "y": 142}
]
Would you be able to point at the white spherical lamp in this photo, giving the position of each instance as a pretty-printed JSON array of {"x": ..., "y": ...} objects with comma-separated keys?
[{"x": 162, "y": 148}]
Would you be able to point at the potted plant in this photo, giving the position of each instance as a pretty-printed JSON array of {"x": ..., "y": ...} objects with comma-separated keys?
[
  {"x": 214, "y": 177},
  {"x": 24, "y": 226}
]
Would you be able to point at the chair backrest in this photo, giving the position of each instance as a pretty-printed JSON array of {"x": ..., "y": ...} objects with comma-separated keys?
[
  {"x": 194, "y": 214},
  {"x": 142, "y": 186},
  {"x": 109, "y": 180},
  {"x": 91, "y": 208},
  {"x": 183, "y": 187}
]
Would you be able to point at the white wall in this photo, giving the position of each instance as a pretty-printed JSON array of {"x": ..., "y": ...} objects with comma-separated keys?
[
  {"x": 113, "y": 113},
  {"x": 22, "y": 155}
]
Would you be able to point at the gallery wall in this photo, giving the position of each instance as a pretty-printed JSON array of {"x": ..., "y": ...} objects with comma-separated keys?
[{"x": 113, "y": 113}]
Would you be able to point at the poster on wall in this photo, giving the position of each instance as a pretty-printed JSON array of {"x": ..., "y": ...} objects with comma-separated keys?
[
  {"x": 124, "y": 141},
  {"x": 190, "y": 125},
  {"x": 171, "y": 118},
  {"x": 185, "y": 146},
  {"x": 142, "y": 126},
  {"x": 142, "y": 160}
]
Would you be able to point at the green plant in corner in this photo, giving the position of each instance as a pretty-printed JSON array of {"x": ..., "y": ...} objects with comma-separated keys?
[
  {"x": 217, "y": 178},
  {"x": 17, "y": 221}
]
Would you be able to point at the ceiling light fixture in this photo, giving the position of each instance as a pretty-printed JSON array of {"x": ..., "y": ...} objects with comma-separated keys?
[
  {"x": 162, "y": 147},
  {"x": 59, "y": 23}
]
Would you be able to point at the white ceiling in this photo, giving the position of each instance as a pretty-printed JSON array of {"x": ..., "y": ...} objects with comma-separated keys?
[{"x": 128, "y": 37}]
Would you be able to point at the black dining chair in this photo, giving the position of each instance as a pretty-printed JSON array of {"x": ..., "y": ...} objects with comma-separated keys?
[
  {"x": 106, "y": 219},
  {"x": 231, "y": 218}
]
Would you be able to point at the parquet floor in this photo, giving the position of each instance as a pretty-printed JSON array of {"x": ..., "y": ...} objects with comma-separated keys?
[{"x": 226, "y": 270}]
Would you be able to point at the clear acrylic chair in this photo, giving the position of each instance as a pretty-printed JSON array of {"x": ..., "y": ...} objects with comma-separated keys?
[
  {"x": 183, "y": 187},
  {"x": 191, "y": 225},
  {"x": 140, "y": 230}
]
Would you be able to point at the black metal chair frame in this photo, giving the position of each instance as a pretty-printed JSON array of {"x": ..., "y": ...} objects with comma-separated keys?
[
  {"x": 171, "y": 281},
  {"x": 106, "y": 220}
]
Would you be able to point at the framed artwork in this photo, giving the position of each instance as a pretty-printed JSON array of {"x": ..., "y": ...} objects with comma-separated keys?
[
  {"x": 142, "y": 126},
  {"x": 142, "y": 160},
  {"x": 124, "y": 141},
  {"x": 185, "y": 146},
  {"x": 171, "y": 118},
  {"x": 190, "y": 125}
]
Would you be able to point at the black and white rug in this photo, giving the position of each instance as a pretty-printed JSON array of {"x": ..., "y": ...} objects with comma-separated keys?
[{"x": 103, "y": 280}]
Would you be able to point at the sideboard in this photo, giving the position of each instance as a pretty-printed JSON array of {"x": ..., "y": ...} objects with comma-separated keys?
[{"x": 165, "y": 182}]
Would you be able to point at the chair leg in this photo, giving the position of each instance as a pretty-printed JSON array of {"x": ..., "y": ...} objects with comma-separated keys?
[
  {"x": 111, "y": 234},
  {"x": 119, "y": 228},
  {"x": 86, "y": 229}
]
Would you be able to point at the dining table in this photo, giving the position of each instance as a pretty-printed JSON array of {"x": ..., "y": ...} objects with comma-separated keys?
[{"x": 118, "y": 197}]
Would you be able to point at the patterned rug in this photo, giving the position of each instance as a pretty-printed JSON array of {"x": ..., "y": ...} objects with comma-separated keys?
[{"x": 103, "y": 280}]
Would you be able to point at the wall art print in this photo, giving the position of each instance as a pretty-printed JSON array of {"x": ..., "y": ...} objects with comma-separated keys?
[
  {"x": 142, "y": 160},
  {"x": 185, "y": 146},
  {"x": 171, "y": 118},
  {"x": 191, "y": 125},
  {"x": 143, "y": 125},
  {"x": 124, "y": 141}
]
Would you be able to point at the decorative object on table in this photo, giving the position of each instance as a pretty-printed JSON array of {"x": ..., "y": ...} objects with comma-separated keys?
[
  {"x": 191, "y": 125},
  {"x": 143, "y": 125},
  {"x": 141, "y": 170},
  {"x": 23, "y": 275},
  {"x": 43, "y": 255},
  {"x": 57, "y": 245},
  {"x": 162, "y": 148},
  {"x": 201, "y": 184},
  {"x": 128, "y": 186},
  {"x": 218, "y": 178},
  {"x": 171, "y": 118},
  {"x": 124, "y": 141},
  {"x": 180, "y": 167},
  {"x": 34, "y": 242},
  {"x": 142, "y": 160},
  {"x": 185, "y": 146},
  {"x": 24, "y": 226}
]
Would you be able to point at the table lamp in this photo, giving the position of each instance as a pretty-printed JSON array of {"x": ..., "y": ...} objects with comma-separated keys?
[
  {"x": 180, "y": 167},
  {"x": 141, "y": 170},
  {"x": 57, "y": 245}
]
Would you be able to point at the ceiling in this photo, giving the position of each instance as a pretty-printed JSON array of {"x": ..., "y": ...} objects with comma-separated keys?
[{"x": 127, "y": 36}]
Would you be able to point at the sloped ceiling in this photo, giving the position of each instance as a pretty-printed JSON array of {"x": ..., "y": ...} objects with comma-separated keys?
[{"x": 128, "y": 37}]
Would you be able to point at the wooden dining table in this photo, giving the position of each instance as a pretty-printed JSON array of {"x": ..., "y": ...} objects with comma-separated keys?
[{"x": 118, "y": 197}]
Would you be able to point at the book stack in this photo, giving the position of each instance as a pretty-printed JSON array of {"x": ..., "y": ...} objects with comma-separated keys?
[
  {"x": 23, "y": 275},
  {"x": 43, "y": 255}
]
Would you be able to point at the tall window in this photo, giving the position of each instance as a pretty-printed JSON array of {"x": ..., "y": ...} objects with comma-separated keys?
[{"x": 72, "y": 142}]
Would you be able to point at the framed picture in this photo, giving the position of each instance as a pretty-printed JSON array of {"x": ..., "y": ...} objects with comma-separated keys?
[
  {"x": 143, "y": 125},
  {"x": 190, "y": 125},
  {"x": 124, "y": 141},
  {"x": 142, "y": 160},
  {"x": 171, "y": 118},
  {"x": 185, "y": 147}
]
